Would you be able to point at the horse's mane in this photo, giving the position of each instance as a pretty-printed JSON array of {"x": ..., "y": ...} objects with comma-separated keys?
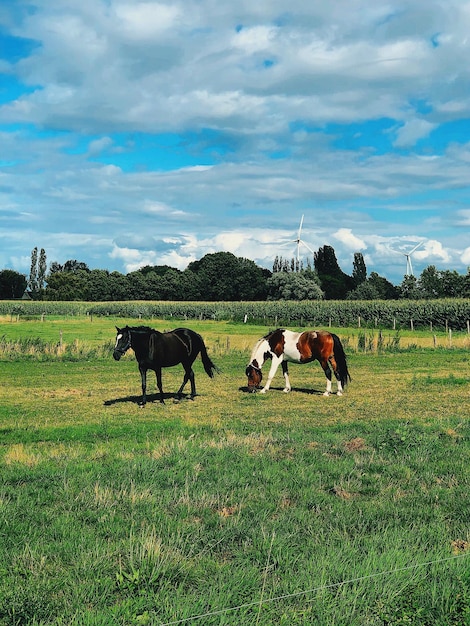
[
  {"x": 271, "y": 332},
  {"x": 142, "y": 329},
  {"x": 257, "y": 345}
]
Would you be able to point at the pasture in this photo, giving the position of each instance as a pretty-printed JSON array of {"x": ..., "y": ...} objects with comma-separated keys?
[{"x": 234, "y": 508}]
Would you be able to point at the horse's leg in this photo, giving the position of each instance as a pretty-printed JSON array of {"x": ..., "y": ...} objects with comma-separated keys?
[
  {"x": 326, "y": 369},
  {"x": 143, "y": 376},
  {"x": 158, "y": 374},
  {"x": 287, "y": 388},
  {"x": 193, "y": 383},
  {"x": 338, "y": 377},
  {"x": 272, "y": 370},
  {"x": 188, "y": 375}
]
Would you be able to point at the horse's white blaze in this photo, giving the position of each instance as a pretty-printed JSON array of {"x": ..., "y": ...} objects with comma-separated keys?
[{"x": 118, "y": 338}]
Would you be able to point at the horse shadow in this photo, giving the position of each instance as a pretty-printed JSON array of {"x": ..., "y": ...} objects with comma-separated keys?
[
  {"x": 305, "y": 390},
  {"x": 151, "y": 398}
]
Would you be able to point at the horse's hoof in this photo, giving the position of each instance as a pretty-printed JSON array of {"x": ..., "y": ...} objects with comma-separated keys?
[
  {"x": 176, "y": 400},
  {"x": 286, "y": 390},
  {"x": 340, "y": 393},
  {"x": 326, "y": 394}
]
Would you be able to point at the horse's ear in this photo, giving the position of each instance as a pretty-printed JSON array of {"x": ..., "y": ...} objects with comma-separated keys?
[{"x": 118, "y": 329}]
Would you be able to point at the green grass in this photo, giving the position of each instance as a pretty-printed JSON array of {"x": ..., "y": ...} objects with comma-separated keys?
[{"x": 246, "y": 508}]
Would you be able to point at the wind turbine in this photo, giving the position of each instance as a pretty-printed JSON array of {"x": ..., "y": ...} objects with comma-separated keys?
[
  {"x": 409, "y": 266},
  {"x": 299, "y": 241}
]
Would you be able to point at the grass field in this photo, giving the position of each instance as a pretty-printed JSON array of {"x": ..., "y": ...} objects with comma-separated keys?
[{"x": 235, "y": 508}]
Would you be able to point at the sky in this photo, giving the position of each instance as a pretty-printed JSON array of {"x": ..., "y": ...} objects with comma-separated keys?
[{"x": 138, "y": 133}]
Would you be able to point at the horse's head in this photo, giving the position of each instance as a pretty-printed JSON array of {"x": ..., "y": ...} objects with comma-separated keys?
[
  {"x": 261, "y": 352},
  {"x": 255, "y": 376},
  {"x": 123, "y": 342}
]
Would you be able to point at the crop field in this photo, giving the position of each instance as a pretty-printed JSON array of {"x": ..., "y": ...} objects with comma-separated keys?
[{"x": 234, "y": 508}]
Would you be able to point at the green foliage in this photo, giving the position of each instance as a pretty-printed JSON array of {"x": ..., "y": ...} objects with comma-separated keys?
[
  {"x": 359, "y": 273},
  {"x": 294, "y": 286},
  {"x": 397, "y": 314},
  {"x": 12, "y": 284},
  {"x": 334, "y": 282},
  {"x": 223, "y": 276}
]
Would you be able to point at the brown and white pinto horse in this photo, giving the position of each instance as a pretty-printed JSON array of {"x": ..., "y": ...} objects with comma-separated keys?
[{"x": 283, "y": 346}]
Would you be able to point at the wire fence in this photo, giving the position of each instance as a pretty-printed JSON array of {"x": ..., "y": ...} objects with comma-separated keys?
[{"x": 313, "y": 590}]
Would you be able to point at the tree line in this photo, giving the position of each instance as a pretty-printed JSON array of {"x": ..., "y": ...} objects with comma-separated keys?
[{"x": 222, "y": 276}]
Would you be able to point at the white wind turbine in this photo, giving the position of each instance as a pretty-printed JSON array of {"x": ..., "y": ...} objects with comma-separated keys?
[
  {"x": 299, "y": 241},
  {"x": 409, "y": 266}
]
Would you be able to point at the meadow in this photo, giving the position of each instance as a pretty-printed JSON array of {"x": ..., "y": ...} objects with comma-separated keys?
[{"x": 234, "y": 508}]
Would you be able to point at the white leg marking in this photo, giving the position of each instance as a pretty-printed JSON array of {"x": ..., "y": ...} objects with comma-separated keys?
[
  {"x": 272, "y": 370},
  {"x": 287, "y": 388}
]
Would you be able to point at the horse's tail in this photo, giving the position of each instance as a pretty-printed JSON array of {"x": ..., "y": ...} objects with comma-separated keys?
[
  {"x": 340, "y": 358},
  {"x": 209, "y": 367}
]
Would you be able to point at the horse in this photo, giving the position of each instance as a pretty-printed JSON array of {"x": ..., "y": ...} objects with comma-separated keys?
[
  {"x": 283, "y": 346},
  {"x": 154, "y": 350}
]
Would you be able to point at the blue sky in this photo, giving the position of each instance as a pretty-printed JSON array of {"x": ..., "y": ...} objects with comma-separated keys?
[{"x": 139, "y": 132}]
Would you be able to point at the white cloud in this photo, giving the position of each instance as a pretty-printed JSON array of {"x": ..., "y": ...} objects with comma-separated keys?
[
  {"x": 413, "y": 130},
  {"x": 351, "y": 241},
  {"x": 145, "y": 20},
  {"x": 259, "y": 101},
  {"x": 97, "y": 146},
  {"x": 465, "y": 257}
]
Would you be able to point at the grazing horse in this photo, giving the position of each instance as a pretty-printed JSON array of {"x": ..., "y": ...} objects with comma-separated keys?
[
  {"x": 154, "y": 350},
  {"x": 283, "y": 346}
]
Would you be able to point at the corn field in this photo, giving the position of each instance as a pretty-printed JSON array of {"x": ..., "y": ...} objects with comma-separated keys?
[{"x": 442, "y": 314}]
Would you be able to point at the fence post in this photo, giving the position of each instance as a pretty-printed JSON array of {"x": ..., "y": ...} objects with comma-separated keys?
[
  {"x": 411, "y": 324},
  {"x": 359, "y": 321},
  {"x": 468, "y": 327},
  {"x": 450, "y": 337},
  {"x": 434, "y": 340}
]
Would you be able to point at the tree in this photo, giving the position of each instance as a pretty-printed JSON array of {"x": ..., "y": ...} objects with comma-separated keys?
[
  {"x": 453, "y": 284},
  {"x": 430, "y": 282},
  {"x": 42, "y": 269},
  {"x": 223, "y": 276},
  {"x": 359, "y": 273},
  {"x": 55, "y": 267},
  {"x": 67, "y": 286},
  {"x": 385, "y": 289},
  {"x": 365, "y": 291},
  {"x": 293, "y": 286},
  {"x": 74, "y": 266},
  {"x": 334, "y": 282},
  {"x": 410, "y": 288},
  {"x": 12, "y": 284},
  {"x": 33, "y": 273}
]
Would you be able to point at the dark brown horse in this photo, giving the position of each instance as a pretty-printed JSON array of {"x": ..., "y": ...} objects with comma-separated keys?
[
  {"x": 155, "y": 350},
  {"x": 282, "y": 346}
]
